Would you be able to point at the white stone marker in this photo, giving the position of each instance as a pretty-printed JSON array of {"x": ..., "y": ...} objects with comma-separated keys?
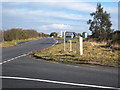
[
  {"x": 70, "y": 45},
  {"x": 81, "y": 45}
]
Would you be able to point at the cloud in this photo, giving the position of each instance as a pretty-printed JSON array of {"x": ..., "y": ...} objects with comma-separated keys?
[
  {"x": 42, "y": 13},
  {"x": 64, "y": 27},
  {"x": 80, "y": 7},
  {"x": 56, "y": 26},
  {"x": 111, "y": 10},
  {"x": 77, "y": 6}
]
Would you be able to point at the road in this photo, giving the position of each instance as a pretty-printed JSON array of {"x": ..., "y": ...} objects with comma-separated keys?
[{"x": 21, "y": 71}]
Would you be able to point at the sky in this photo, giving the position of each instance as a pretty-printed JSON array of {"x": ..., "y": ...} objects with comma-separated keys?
[{"x": 53, "y": 16}]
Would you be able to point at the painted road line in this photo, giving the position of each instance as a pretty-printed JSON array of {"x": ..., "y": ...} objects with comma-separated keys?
[
  {"x": 20, "y": 56},
  {"x": 57, "y": 82},
  {"x": 55, "y": 43},
  {"x": 13, "y": 58}
]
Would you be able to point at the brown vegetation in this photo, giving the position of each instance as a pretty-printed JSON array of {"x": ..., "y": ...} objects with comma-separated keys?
[{"x": 94, "y": 53}]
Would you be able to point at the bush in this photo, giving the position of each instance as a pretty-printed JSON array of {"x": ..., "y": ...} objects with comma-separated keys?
[
  {"x": 18, "y": 34},
  {"x": 115, "y": 37}
]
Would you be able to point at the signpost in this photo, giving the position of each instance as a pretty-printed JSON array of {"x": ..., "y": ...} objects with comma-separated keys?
[
  {"x": 68, "y": 35},
  {"x": 79, "y": 42},
  {"x": 64, "y": 43}
]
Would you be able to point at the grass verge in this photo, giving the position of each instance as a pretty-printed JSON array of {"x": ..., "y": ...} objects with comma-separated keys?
[
  {"x": 15, "y": 42},
  {"x": 94, "y": 53}
]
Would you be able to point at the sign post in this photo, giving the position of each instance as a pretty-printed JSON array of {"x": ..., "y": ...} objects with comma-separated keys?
[
  {"x": 77, "y": 47},
  {"x": 70, "y": 45},
  {"x": 64, "y": 42},
  {"x": 68, "y": 35},
  {"x": 81, "y": 45}
]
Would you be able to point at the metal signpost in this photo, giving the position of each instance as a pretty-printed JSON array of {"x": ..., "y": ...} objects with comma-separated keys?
[
  {"x": 68, "y": 35},
  {"x": 79, "y": 42},
  {"x": 64, "y": 43}
]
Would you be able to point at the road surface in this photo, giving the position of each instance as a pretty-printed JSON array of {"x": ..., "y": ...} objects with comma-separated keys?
[{"x": 21, "y": 71}]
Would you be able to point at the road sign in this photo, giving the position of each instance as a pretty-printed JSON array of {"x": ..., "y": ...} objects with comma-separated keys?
[{"x": 69, "y": 35}]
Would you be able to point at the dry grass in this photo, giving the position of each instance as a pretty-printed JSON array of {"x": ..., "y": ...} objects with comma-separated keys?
[
  {"x": 116, "y": 45},
  {"x": 94, "y": 53}
]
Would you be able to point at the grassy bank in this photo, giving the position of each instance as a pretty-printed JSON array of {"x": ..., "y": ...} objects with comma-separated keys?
[
  {"x": 15, "y": 42},
  {"x": 94, "y": 53}
]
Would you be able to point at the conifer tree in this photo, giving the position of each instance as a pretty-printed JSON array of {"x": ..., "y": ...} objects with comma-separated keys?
[{"x": 100, "y": 24}]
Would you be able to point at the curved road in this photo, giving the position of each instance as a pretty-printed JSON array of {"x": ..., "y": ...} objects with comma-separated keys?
[{"x": 21, "y": 71}]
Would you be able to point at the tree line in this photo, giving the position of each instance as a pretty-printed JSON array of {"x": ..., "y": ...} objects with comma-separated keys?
[{"x": 18, "y": 34}]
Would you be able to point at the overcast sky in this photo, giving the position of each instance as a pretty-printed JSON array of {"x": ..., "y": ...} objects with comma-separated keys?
[{"x": 53, "y": 16}]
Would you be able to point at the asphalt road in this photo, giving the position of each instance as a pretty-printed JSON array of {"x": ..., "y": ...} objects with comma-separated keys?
[{"x": 27, "y": 72}]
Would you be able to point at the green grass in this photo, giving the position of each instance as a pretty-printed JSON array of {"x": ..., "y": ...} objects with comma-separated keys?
[
  {"x": 15, "y": 42},
  {"x": 93, "y": 54}
]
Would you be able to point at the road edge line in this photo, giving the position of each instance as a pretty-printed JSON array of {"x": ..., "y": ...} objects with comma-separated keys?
[
  {"x": 57, "y": 82},
  {"x": 23, "y": 55}
]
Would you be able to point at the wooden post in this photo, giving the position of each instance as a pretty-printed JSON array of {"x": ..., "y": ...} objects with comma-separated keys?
[
  {"x": 81, "y": 45},
  {"x": 70, "y": 45}
]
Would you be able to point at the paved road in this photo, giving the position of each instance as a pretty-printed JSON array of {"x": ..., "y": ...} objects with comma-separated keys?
[
  {"x": 11, "y": 52},
  {"x": 26, "y": 72}
]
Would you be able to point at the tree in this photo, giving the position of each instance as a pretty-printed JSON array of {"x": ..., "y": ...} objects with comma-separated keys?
[
  {"x": 53, "y": 34},
  {"x": 100, "y": 25}
]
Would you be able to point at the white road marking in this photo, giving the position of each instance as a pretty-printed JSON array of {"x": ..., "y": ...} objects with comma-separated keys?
[
  {"x": 55, "y": 43},
  {"x": 13, "y": 58},
  {"x": 57, "y": 82},
  {"x": 20, "y": 56}
]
